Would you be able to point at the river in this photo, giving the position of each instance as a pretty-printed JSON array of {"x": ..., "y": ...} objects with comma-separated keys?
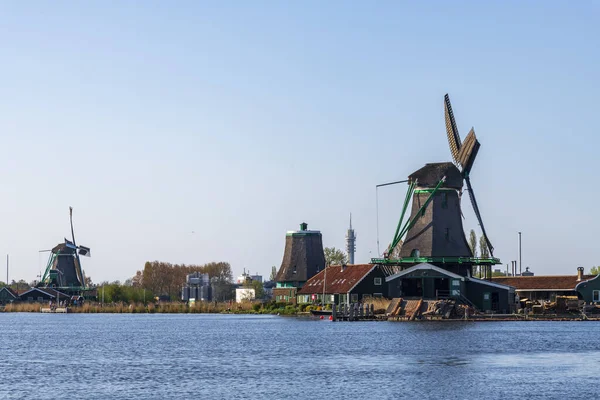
[{"x": 189, "y": 356}]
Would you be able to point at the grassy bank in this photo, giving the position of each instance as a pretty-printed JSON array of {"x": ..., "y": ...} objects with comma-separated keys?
[
  {"x": 166, "y": 308},
  {"x": 182, "y": 308}
]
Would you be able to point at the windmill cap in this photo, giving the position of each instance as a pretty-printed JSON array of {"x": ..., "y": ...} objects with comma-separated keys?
[{"x": 431, "y": 174}]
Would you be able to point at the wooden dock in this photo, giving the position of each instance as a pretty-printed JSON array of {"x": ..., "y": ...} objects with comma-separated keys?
[
  {"x": 353, "y": 312},
  {"x": 55, "y": 310}
]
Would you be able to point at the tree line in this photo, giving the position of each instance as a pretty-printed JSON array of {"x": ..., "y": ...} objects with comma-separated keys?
[{"x": 163, "y": 278}]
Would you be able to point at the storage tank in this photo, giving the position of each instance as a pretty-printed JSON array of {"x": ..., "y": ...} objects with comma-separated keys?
[
  {"x": 185, "y": 293},
  {"x": 205, "y": 293}
]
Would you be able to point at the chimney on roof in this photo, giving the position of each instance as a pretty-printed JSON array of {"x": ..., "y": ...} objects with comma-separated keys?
[
  {"x": 579, "y": 273},
  {"x": 343, "y": 267}
]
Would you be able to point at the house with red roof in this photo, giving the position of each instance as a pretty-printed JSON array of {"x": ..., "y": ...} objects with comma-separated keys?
[
  {"x": 343, "y": 284},
  {"x": 547, "y": 287}
]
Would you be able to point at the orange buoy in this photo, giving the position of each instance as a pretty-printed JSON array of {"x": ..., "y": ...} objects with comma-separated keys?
[
  {"x": 331, "y": 317},
  {"x": 321, "y": 317}
]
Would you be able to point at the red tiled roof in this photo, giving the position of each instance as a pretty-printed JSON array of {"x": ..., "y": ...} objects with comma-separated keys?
[
  {"x": 338, "y": 281},
  {"x": 551, "y": 282}
]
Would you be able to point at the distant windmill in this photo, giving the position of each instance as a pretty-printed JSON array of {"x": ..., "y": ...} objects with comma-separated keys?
[{"x": 63, "y": 269}]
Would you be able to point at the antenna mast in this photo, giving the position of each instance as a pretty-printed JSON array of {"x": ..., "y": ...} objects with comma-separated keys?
[{"x": 350, "y": 242}]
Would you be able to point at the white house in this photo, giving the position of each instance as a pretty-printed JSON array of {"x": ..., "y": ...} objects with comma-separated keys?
[{"x": 244, "y": 294}]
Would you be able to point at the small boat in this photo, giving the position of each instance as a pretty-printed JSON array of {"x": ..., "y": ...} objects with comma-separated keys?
[{"x": 320, "y": 312}]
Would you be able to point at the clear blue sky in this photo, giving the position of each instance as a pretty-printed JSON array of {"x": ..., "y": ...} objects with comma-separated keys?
[{"x": 239, "y": 120}]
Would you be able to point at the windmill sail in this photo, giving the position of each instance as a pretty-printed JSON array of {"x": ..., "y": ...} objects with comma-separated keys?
[
  {"x": 84, "y": 251},
  {"x": 468, "y": 152},
  {"x": 452, "y": 130},
  {"x": 478, "y": 215}
]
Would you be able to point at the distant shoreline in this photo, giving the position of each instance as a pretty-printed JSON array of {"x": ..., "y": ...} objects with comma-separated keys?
[{"x": 288, "y": 311}]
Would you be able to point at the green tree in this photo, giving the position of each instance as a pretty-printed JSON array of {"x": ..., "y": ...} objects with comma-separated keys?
[
  {"x": 334, "y": 256},
  {"x": 259, "y": 291},
  {"x": 595, "y": 270},
  {"x": 473, "y": 242},
  {"x": 20, "y": 285},
  {"x": 273, "y": 273},
  {"x": 473, "y": 247},
  {"x": 483, "y": 248}
]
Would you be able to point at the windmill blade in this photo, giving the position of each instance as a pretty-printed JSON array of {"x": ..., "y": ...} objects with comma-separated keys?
[
  {"x": 84, "y": 251},
  {"x": 452, "y": 130},
  {"x": 478, "y": 215},
  {"x": 468, "y": 152}
]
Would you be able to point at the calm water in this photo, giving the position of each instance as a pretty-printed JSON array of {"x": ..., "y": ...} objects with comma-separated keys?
[{"x": 265, "y": 357}]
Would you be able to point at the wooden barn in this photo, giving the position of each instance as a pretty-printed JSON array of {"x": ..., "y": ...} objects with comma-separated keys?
[
  {"x": 42, "y": 295},
  {"x": 343, "y": 284},
  {"x": 548, "y": 287},
  {"x": 7, "y": 295},
  {"x": 431, "y": 282}
]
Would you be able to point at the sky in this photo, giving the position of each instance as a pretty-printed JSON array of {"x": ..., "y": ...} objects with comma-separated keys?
[{"x": 195, "y": 131}]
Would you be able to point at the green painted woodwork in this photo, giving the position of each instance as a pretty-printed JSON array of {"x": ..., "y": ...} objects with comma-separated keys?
[
  {"x": 286, "y": 284},
  {"x": 417, "y": 191},
  {"x": 409, "y": 193},
  {"x": 302, "y": 233},
  {"x": 438, "y": 260},
  {"x": 410, "y": 223}
]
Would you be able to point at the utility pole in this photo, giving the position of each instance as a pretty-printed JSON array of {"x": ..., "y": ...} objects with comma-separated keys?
[
  {"x": 520, "y": 260},
  {"x": 7, "y": 270}
]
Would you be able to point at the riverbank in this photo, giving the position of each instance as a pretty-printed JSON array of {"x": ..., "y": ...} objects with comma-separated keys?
[
  {"x": 168, "y": 308},
  {"x": 270, "y": 308}
]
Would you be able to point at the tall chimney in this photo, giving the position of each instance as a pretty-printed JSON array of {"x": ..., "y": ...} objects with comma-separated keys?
[{"x": 579, "y": 273}]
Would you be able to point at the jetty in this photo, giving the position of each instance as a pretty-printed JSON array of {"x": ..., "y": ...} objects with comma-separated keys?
[
  {"x": 55, "y": 310},
  {"x": 353, "y": 312}
]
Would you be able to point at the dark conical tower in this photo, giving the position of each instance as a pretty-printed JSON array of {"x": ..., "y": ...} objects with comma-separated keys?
[
  {"x": 302, "y": 259},
  {"x": 438, "y": 230}
]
